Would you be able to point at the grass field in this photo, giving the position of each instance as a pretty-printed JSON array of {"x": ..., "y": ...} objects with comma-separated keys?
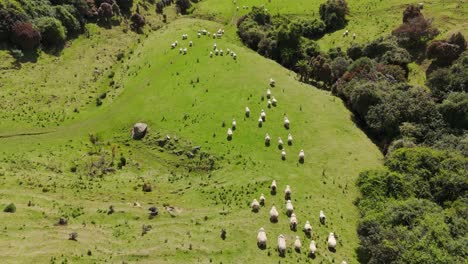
[{"x": 42, "y": 139}]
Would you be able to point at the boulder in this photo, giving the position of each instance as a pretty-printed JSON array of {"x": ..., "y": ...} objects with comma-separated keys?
[{"x": 139, "y": 131}]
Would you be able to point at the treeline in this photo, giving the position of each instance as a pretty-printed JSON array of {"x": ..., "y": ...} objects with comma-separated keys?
[
  {"x": 372, "y": 78},
  {"x": 416, "y": 209},
  {"x": 31, "y": 24}
]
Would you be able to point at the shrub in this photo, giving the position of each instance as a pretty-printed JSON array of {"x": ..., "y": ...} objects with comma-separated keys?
[
  {"x": 313, "y": 28},
  {"x": 444, "y": 81},
  {"x": 147, "y": 187},
  {"x": 25, "y": 36},
  {"x": 52, "y": 31},
  {"x": 333, "y": 14},
  {"x": 105, "y": 12},
  {"x": 73, "y": 236},
  {"x": 159, "y": 7},
  {"x": 17, "y": 54},
  {"x": 355, "y": 51},
  {"x": 454, "y": 109},
  {"x": 125, "y": 5},
  {"x": 310, "y": 48},
  {"x": 416, "y": 32},
  {"x": 411, "y": 12},
  {"x": 443, "y": 52},
  {"x": 138, "y": 21},
  {"x": 11, "y": 208},
  {"x": 339, "y": 66},
  {"x": 8, "y": 19},
  {"x": 69, "y": 21},
  {"x": 458, "y": 39},
  {"x": 183, "y": 6}
]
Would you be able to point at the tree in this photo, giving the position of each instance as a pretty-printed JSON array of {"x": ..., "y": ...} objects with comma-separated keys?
[
  {"x": 52, "y": 31},
  {"x": 458, "y": 39},
  {"x": 333, "y": 14},
  {"x": 159, "y": 7},
  {"x": 338, "y": 67},
  {"x": 125, "y": 5},
  {"x": 303, "y": 68},
  {"x": 25, "y": 36},
  {"x": 321, "y": 70},
  {"x": 11, "y": 208},
  {"x": 138, "y": 21},
  {"x": 443, "y": 81},
  {"x": 411, "y": 12},
  {"x": 454, "y": 109},
  {"x": 416, "y": 32},
  {"x": 183, "y": 6},
  {"x": 105, "y": 12},
  {"x": 443, "y": 52},
  {"x": 8, "y": 19},
  {"x": 69, "y": 21},
  {"x": 312, "y": 28}
]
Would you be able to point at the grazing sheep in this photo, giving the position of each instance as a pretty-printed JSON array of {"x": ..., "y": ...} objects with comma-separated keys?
[
  {"x": 281, "y": 245},
  {"x": 215, "y": 47},
  {"x": 307, "y": 228},
  {"x": 185, "y": 51},
  {"x": 262, "y": 199},
  {"x": 211, "y": 54},
  {"x": 344, "y": 262},
  {"x": 234, "y": 124},
  {"x": 286, "y": 122},
  {"x": 268, "y": 93},
  {"x": 234, "y": 56},
  {"x": 228, "y": 51},
  {"x": 283, "y": 154},
  {"x": 237, "y": 8},
  {"x": 297, "y": 244},
  {"x": 289, "y": 208},
  {"x": 261, "y": 238},
  {"x": 273, "y": 187},
  {"x": 263, "y": 115},
  {"x": 198, "y": 35},
  {"x": 301, "y": 156},
  {"x": 267, "y": 139},
  {"x": 331, "y": 241},
  {"x": 221, "y": 52},
  {"x": 312, "y": 248},
  {"x": 272, "y": 82},
  {"x": 190, "y": 43},
  {"x": 269, "y": 103},
  {"x": 232, "y": 53},
  {"x": 287, "y": 193},
  {"x": 255, "y": 206},
  {"x": 280, "y": 143},
  {"x": 322, "y": 217},
  {"x": 260, "y": 122},
  {"x": 229, "y": 134},
  {"x": 214, "y": 35},
  {"x": 274, "y": 214},
  {"x": 274, "y": 101},
  {"x": 247, "y": 111},
  {"x": 180, "y": 51},
  {"x": 354, "y": 35},
  {"x": 216, "y": 52},
  {"x": 421, "y": 5},
  {"x": 176, "y": 42},
  {"x": 173, "y": 45},
  {"x": 184, "y": 36},
  {"x": 290, "y": 139},
  {"x": 293, "y": 222}
]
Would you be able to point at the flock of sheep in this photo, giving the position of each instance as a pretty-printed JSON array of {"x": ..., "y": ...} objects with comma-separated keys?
[{"x": 293, "y": 223}]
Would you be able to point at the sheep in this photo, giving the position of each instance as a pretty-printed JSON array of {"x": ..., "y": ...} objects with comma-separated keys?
[
  {"x": 184, "y": 36},
  {"x": 331, "y": 241},
  {"x": 344, "y": 262},
  {"x": 214, "y": 35},
  {"x": 290, "y": 139},
  {"x": 237, "y": 8},
  {"x": 255, "y": 205},
  {"x": 307, "y": 229},
  {"x": 421, "y": 5},
  {"x": 262, "y": 199},
  {"x": 190, "y": 43},
  {"x": 274, "y": 101},
  {"x": 234, "y": 124},
  {"x": 297, "y": 244},
  {"x": 268, "y": 93},
  {"x": 312, "y": 248},
  {"x": 301, "y": 156},
  {"x": 287, "y": 193},
  {"x": 322, "y": 217},
  {"x": 283, "y": 154},
  {"x": 280, "y": 143},
  {"x": 263, "y": 115},
  {"x": 173, "y": 45},
  {"x": 269, "y": 103},
  {"x": 261, "y": 238},
  {"x": 198, "y": 35},
  {"x": 247, "y": 111},
  {"x": 260, "y": 121},
  {"x": 180, "y": 51},
  {"x": 215, "y": 47},
  {"x": 354, "y": 35},
  {"x": 234, "y": 56},
  {"x": 274, "y": 214},
  {"x": 267, "y": 139},
  {"x": 221, "y": 52},
  {"x": 232, "y": 53},
  {"x": 228, "y": 51},
  {"x": 211, "y": 54},
  {"x": 281, "y": 245},
  {"x": 176, "y": 42},
  {"x": 185, "y": 51},
  {"x": 289, "y": 208},
  {"x": 293, "y": 222},
  {"x": 216, "y": 52},
  {"x": 229, "y": 134},
  {"x": 273, "y": 187},
  {"x": 286, "y": 122},
  {"x": 272, "y": 82}
]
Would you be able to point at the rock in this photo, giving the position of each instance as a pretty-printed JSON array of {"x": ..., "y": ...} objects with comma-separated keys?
[{"x": 139, "y": 131}]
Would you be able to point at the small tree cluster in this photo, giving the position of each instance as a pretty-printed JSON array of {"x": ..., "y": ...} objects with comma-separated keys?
[
  {"x": 25, "y": 36},
  {"x": 333, "y": 13}
]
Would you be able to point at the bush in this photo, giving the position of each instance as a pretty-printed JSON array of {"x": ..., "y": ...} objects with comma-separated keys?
[
  {"x": 8, "y": 19},
  {"x": 138, "y": 21},
  {"x": 444, "y": 81},
  {"x": 411, "y": 12},
  {"x": 458, "y": 39},
  {"x": 333, "y": 14},
  {"x": 70, "y": 22},
  {"x": 25, "y": 36},
  {"x": 443, "y": 52},
  {"x": 454, "y": 109},
  {"x": 313, "y": 28},
  {"x": 183, "y": 6},
  {"x": 52, "y": 31},
  {"x": 125, "y": 5},
  {"x": 105, "y": 12},
  {"x": 355, "y": 51},
  {"x": 11, "y": 208},
  {"x": 415, "y": 33},
  {"x": 147, "y": 187}
]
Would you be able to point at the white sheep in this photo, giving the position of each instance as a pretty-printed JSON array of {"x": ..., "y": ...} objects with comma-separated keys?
[
  {"x": 229, "y": 133},
  {"x": 214, "y": 35},
  {"x": 289, "y": 208},
  {"x": 232, "y": 53},
  {"x": 198, "y": 35},
  {"x": 287, "y": 193},
  {"x": 273, "y": 186},
  {"x": 293, "y": 222},
  {"x": 286, "y": 122},
  {"x": 281, "y": 245},
  {"x": 280, "y": 143},
  {"x": 221, "y": 52},
  {"x": 211, "y": 54},
  {"x": 262, "y": 199},
  {"x": 344, "y": 262},
  {"x": 185, "y": 51},
  {"x": 263, "y": 115},
  {"x": 301, "y": 155},
  {"x": 297, "y": 244},
  {"x": 268, "y": 93},
  {"x": 228, "y": 51},
  {"x": 322, "y": 217},
  {"x": 215, "y": 47},
  {"x": 181, "y": 50},
  {"x": 267, "y": 139},
  {"x": 184, "y": 36},
  {"x": 261, "y": 238},
  {"x": 173, "y": 45},
  {"x": 312, "y": 248},
  {"x": 421, "y": 5},
  {"x": 331, "y": 241},
  {"x": 354, "y": 35},
  {"x": 260, "y": 121},
  {"x": 216, "y": 52},
  {"x": 176, "y": 42},
  {"x": 274, "y": 101},
  {"x": 234, "y": 124},
  {"x": 272, "y": 82},
  {"x": 274, "y": 214},
  {"x": 234, "y": 56},
  {"x": 247, "y": 111},
  {"x": 237, "y": 8},
  {"x": 307, "y": 228},
  {"x": 290, "y": 139},
  {"x": 283, "y": 154},
  {"x": 269, "y": 103},
  {"x": 190, "y": 43},
  {"x": 255, "y": 205}
]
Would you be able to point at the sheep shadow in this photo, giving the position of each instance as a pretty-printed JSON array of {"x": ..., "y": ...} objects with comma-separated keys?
[
  {"x": 260, "y": 124},
  {"x": 274, "y": 220},
  {"x": 307, "y": 234},
  {"x": 287, "y": 196},
  {"x": 273, "y": 192},
  {"x": 301, "y": 161},
  {"x": 298, "y": 250},
  {"x": 267, "y": 144},
  {"x": 333, "y": 250},
  {"x": 289, "y": 143},
  {"x": 312, "y": 255},
  {"x": 280, "y": 147},
  {"x": 282, "y": 253},
  {"x": 254, "y": 210},
  {"x": 261, "y": 246},
  {"x": 286, "y": 126},
  {"x": 247, "y": 114},
  {"x": 229, "y": 138},
  {"x": 283, "y": 158},
  {"x": 322, "y": 221},
  {"x": 293, "y": 228},
  {"x": 233, "y": 128}
]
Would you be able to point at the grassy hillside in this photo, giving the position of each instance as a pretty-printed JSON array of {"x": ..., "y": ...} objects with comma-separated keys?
[{"x": 158, "y": 89}]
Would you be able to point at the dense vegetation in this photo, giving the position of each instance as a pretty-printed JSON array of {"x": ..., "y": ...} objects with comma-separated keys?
[{"x": 416, "y": 209}]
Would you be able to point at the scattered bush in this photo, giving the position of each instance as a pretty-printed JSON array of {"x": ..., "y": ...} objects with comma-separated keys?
[
  {"x": 333, "y": 14},
  {"x": 138, "y": 21},
  {"x": 25, "y": 36},
  {"x": 11, "y": 208},
  {"x": 147, "y": 187}
]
